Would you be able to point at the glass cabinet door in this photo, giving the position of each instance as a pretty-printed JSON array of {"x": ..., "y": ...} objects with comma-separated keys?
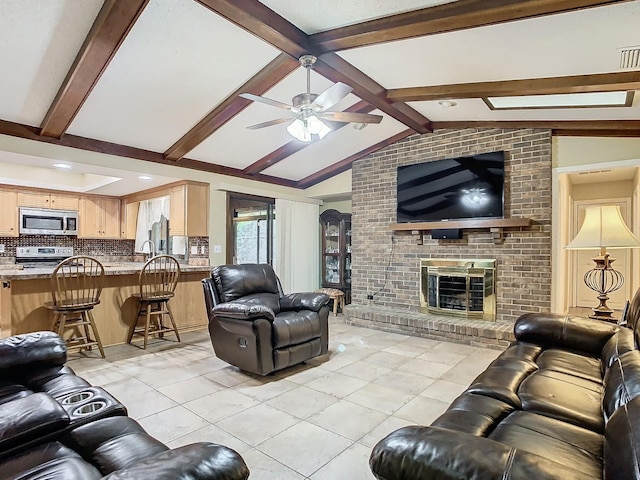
[{"x": 331, "y": 253}]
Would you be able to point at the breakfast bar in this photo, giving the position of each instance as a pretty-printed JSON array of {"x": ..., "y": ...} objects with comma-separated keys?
[{"x": 23, "y": 294}]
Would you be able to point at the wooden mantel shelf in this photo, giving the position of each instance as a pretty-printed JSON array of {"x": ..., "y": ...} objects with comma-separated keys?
[{"x": 495, "y": 225}]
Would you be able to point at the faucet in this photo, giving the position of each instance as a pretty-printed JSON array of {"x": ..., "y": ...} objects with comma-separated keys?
[{"x": 152, "y": 249}]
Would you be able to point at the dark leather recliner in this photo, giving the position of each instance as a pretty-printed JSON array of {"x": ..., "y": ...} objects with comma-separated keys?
[{"x": 257, "y": 328}]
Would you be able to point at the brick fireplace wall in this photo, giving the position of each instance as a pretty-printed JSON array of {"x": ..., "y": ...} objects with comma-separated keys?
[{"x": 523, "y": 258}]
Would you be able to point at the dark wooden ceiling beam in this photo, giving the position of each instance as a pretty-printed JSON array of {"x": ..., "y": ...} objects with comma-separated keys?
[
  {"x": 582, "y": 125},
  {"x": 110, "y": 28},
  {"x": 559, "y": 132},
  {"x": 345, "y": 164},
  {"x": 294, "y": 146},
  {"x": 601, "y": 82},
  {"x": 269, "y": 76},
  {"x": 448, "y": 17},
  {"x": 336, "y": 69},
  {"x": 263, "y": 22},
  {"x": 99, "y": 146}
]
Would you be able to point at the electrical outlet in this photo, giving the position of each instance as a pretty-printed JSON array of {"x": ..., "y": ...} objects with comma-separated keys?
[
  {"x": 202, "y": 249},
  {"x": 1, "y": 247},
  {"x": 369, "y": 297},
  {"x": 194, "y": 249},
  {"x": 217, "y": 249}
]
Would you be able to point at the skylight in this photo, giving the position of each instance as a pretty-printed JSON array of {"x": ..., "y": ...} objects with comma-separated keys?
[{"x": 569, "y": 100}]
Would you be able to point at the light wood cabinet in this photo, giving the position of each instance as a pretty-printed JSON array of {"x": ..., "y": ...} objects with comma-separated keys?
[
  {"x": 56, "y": 201},
  {"x": 99, "y": 217},
  {"x": 189, "y": 210},
  {"x": 8, "y": 212},
  {"x": 129, "y": 219}
]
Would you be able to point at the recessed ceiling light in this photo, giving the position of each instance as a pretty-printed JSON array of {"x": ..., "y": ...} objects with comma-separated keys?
[
  {"x": 566, "y": 100},
  {"x": 447, "y": 103},
  {"x": 144, "y": 177},
  {"x": 62, "y": 166}
]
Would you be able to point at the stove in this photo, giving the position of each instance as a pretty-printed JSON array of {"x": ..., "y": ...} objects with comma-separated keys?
[{"x": 42, "y": 257}]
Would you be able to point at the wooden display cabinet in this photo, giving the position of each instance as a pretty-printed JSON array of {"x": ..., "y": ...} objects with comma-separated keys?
[{"x": 336, "y": 251}]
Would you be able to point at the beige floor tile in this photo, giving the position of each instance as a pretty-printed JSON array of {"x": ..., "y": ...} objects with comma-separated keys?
[
  {"x": 405, "y": 350},
  {"x": 439, "y": 356},
  {"x": 424, "y": 368},
  {"x": 302, "y": 401},
  {"x": 220, "y": 405},
  {"x": 465, "y": 372},
  {"x": 301, "y": 374},
  {"x": 172, "y": 423},
  {"x": 353, "y": 464},
  {"x": 421, "y": 342},
  {"x": 443, "y": 391},
  {"x": 347, "y": 419},
  {"x": 265, "y": 388},
  {"x": 211, "y": 434},
  {"x": 190, "y": 389},
  {"x": 455, "y": 348},
  {"x": 305, "y": 447},
  {"x": 337, "y": 384},
  {"x": 336, "y": 360},
  {"x": 230, "y": 376},
  {"x": 140, "y": 399},
  {"x": 102, "y": 377},
  {"x": 165, "y": 375},
  {"x": 404, "y": 382},
  {"x": 391, "y": 424},
  {"x": 365, "y": 371},
  {"x": 422, "y": 410},
  {"x": 263, "y": 467},
  {"x": 383, "y": 399},
  {"x": 256, "y": 424},
  {"x": 386, "y": 359}
]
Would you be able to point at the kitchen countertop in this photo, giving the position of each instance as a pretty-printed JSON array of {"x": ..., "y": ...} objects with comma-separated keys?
[{"x": 14, "y": 272}]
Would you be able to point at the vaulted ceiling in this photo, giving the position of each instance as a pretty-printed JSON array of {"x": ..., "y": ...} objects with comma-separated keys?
[{"x": 159, "y": 80}]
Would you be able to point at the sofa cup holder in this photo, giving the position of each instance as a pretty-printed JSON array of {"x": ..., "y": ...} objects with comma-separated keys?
[
  {"x": 89, "y": 408},
  {"x": 77, "y": 397},
  {"x": 90, "y": 404}
]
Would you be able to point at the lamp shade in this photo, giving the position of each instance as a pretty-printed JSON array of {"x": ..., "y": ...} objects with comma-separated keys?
[{"x": 603, "y": 227}]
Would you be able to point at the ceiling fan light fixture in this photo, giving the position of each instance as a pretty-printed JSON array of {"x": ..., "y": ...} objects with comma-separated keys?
[
  {"x": 317, "y": 126},
  {"x": 299, "y": 130}
]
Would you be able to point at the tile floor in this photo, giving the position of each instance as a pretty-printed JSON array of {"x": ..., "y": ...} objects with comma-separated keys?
[{"x": 316, "y": 421}]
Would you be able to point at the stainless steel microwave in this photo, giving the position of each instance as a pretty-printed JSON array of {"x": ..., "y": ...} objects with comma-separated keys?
[{"x": 37, "y": 221}]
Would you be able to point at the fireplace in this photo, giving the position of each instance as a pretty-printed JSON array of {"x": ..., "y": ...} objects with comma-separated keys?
[{"x": 463, "y": 287}]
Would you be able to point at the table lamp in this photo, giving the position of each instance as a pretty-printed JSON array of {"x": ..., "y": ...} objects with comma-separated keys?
[{"x": 603, "y": 228}]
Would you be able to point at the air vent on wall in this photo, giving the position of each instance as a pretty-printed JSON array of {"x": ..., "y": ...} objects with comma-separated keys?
[{"x": 630, "y": 57}]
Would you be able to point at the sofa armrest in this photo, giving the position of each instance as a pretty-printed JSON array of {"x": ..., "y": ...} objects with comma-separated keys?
[
  {"x": 243, "y": 311},
  {"x": 565, "y": 331},
  {"x": 45, "y": 348},
  {"x": 304, "y": 301},
  {"x": 439, "y": 454},
  {"x": 199, "y": 461}
]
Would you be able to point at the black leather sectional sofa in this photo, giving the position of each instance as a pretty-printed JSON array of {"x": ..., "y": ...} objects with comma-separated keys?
[
  {"x": 56, "y": 426},
  {"x": 562, "y": 402}
]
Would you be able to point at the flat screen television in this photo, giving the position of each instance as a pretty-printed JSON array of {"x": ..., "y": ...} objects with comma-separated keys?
[{"x": 452, "y": 189}]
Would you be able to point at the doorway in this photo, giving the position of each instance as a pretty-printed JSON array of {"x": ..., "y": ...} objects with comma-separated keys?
[{"x": 250, "y": 229}]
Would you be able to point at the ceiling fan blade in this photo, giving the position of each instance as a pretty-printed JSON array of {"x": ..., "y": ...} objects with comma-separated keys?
[
  {"x": 266, "y": 101},
  {"x": 348, "y": 117},
  {"x": 331, "y": 96},
  {"x": 269, "y": 123}
]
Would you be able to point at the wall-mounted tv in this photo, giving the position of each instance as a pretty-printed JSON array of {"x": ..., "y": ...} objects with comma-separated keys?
[{"x": 452, "y": 189}]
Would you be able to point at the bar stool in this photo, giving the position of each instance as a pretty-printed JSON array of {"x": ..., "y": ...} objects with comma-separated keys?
[
  {"x": 337, "y": 296},
  {"x": 158, "y": 281},
  {"x": 76, "y": 285}
]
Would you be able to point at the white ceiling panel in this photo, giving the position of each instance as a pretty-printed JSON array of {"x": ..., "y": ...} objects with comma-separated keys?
[
  {"x": 566, "y": 44},
  {"x": 474, "y": 109},
  {"x": 38, "y": 42},
  {"x": 334, "y": 147},
  {"x": 178, "y": 62},
  {"x": 234, "y": 145},
  {"x": 320, "y": 15}
]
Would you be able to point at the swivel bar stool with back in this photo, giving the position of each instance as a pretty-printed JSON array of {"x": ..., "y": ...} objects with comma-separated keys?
[
  {"x": 76, "y": 285},
  {"x": 158, "y": 281}
]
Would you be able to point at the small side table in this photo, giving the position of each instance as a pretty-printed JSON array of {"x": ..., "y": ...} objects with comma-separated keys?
[{"x": 337, "y": 296}]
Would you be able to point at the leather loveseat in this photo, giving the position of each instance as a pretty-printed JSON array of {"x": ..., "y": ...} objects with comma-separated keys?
[
  {"x": 255, "y": 326},
  {"x": 562, "y": 402},
  {"x": 56, "y": 426}
]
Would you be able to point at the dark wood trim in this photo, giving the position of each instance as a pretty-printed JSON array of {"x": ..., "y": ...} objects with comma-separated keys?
[
  {"x": 269, "y": 76},
  {"x": 460, "y": 15},
  {"x": 336, "y": 69},
  {"x": 111, "y": 27},
  {"x": 99, "y": 146},
  {"x": 295, "y": 145},
  {"x": 471, "y": 223},
  {"x": 582, "y": 125},
  {"x": 263, "y": 22},
  {"x": 560, "y": 132},
  {"x": 602, "y": 82},
  {"x": 345, "y": 164}
]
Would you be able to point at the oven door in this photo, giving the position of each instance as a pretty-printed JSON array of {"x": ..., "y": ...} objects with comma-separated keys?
[{"x": 46, "y": 222}]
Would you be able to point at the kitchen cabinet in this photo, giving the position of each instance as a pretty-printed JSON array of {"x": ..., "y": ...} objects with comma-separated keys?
[
  {"x": 8, "y": 212},
  {"x": 56, "y": 201},
  {"x": 336, "y": 251},
  {"x": 99, "y": 217},
  {"x": 129, "y": 219},
  {"x": 189, "y": 210}
]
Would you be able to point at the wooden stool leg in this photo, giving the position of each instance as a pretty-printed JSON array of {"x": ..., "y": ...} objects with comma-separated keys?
[
  {"x": 95, "y": 332},
  {"x": 173, "y": 322},
  {"x": 135, "y": 323},
  {"x": 87, "y": 334},
  {"x": 146, "y": 325},
  {"x": 63, "y": 320},
  {"x": 335, "y": 306},
  {"x": 56, "y": 317}
]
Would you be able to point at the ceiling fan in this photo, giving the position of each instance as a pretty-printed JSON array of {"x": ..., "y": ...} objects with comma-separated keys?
[{"x": 310, "y": 111}]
